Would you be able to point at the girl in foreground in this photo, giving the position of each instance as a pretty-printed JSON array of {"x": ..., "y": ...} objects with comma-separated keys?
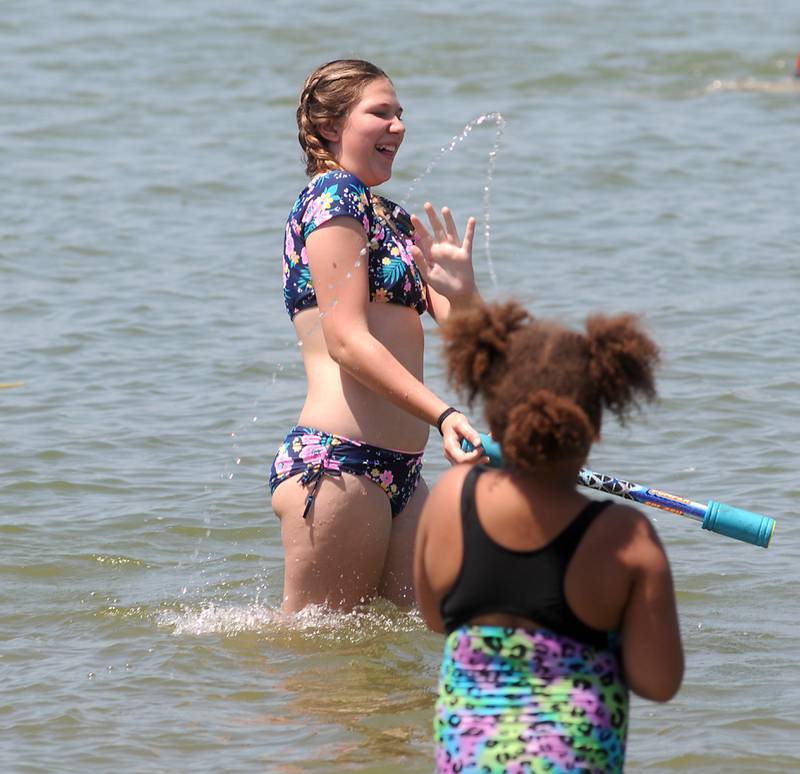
[
  {"x": 554, "y": 605},
  {"x": 346, "y": 481}
]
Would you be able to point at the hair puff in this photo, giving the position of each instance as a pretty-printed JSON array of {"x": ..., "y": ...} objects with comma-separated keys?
[
  {"x": 477, "y": 341},
  {"x": 545, "y": 427},
  {"x": 622, "y": 360}
]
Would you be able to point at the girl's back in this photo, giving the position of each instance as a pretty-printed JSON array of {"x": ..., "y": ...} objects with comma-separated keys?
[
  {"x": 533, "y": 594},
  {"x": 554, "y": 536},
  {"x": 554, "y": 605}
]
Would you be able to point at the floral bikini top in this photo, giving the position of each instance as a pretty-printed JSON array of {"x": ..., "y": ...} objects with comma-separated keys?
[{"x": 393, "y": 275}]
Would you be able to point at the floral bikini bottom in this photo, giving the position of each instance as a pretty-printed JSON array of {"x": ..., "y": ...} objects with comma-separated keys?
[{"x": 315, "y": 454}]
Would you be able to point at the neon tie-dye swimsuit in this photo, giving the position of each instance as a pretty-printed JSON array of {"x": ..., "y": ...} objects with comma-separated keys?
[{"x": 517, "y": 700}]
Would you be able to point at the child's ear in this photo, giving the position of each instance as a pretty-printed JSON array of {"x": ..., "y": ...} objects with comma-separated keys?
[{"x": 330, "y": 131}]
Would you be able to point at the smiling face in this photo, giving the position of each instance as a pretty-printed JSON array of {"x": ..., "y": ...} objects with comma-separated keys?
[{"x": 366, "y": 141}]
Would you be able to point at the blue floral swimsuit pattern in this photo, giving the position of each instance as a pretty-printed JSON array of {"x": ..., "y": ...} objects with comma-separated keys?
[
  {"x": 393, "y": 275},
  {"x": 393, "y": 278},
  {"x": 315, "y": 454}
]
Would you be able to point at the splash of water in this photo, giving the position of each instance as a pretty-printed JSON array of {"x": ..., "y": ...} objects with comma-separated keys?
[
  {"x": 313, "y": 622},
  {"x": 483, "y": 119}
]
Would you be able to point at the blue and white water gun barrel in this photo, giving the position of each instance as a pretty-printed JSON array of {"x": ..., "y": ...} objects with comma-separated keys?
[{"x": 714, "y": 516}]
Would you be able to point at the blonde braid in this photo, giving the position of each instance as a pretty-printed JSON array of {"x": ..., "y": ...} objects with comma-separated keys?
[{"x": 318, "y": 157}]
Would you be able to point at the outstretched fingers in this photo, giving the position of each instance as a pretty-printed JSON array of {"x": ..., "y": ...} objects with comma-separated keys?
[
  {"x": 422, "y": 237},
  {"x": 438, "y": 229},
  {"x": 452, "y": 229},
  {"x": 443, "y": 232},
  {"x": 469, "y": 236},
  {"x": 447, "y": 232}
]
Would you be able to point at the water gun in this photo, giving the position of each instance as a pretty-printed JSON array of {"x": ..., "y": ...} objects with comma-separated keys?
[{"x": 716, "y": 517}]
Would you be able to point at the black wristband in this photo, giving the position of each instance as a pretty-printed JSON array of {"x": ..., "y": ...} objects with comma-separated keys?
[{"x": 446, "y": 413}]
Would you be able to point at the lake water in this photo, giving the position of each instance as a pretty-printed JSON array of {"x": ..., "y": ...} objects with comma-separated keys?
[{"x": 148, "y": 158}]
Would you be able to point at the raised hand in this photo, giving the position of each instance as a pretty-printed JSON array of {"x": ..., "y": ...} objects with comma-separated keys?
[{"x": 444, "y": 260}]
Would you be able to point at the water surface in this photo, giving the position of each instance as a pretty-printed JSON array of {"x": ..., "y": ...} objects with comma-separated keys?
[{"x": 148, "y": 159}]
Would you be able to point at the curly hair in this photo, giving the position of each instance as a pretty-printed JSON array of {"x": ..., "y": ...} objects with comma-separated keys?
[
  {"x": 545, "y": 387},
  {"x": 328, "y": 95}
]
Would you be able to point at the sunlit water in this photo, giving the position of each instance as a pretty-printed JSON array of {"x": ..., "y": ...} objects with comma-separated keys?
[{"x": 644, "y": 161}]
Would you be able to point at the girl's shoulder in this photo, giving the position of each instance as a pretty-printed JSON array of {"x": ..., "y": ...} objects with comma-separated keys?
[
  {"x": 331, "y": 194},
  {"x": 624, "y": 531},
  {"x": 448, "y": 489},
  {"x": 335, "y": 180}
]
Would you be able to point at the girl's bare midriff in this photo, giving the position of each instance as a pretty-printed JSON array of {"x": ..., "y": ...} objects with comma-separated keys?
[{"x": 338, "y": 403}]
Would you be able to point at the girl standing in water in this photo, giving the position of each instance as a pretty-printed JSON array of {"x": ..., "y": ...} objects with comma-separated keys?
[
  {"x": 554, "y": 605},
  {"x": 346, "y": 481}
]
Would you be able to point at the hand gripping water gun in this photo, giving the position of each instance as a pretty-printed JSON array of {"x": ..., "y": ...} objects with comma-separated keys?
[{"x": 715, "y": 517}]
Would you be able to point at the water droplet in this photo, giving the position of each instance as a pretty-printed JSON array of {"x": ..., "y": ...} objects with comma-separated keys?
[{"x": 91, "y": 675}]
